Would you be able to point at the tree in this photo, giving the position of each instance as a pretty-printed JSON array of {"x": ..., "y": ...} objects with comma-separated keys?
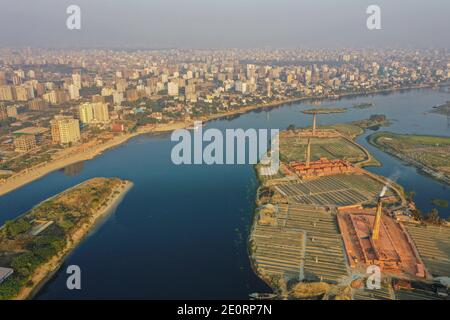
[
  {"x": 410, "y": 196},
  {"x": 13, "y": 228},
  {"x": 417, "y": 215},
  {"x": 433, "y": 216}
]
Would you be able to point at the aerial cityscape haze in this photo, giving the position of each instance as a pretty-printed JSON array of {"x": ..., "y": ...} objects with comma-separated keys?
[{"x": 246, "y": 150}]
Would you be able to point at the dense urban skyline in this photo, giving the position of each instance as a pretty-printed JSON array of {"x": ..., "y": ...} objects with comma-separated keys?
[{"x": 212, "y": 24}]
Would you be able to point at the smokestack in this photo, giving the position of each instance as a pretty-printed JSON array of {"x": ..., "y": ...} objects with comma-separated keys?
[
  {"x": 376, "y": 224},
  {"x": 308, "y": 153},
  {"x": 314, "y": 124},
  {"x": 383, "y": 192}
]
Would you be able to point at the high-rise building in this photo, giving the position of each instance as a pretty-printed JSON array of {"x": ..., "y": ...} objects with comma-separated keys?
[
  {"x": 268, "y": 88},
  {"x": 3, "y": 78},
  {"x": 101, "y": 113},
  {"x": 37, "y": 105},
  {"x": 6, "y": 93},
  {"x": 21, "y": 93},
  {"x": 54, "y": 128},
  {"x": 94, "y": 113},
  {"x": 172, "y": 89},
  {"x": 74, "y": 92},
  {"x": 241, "y": 86},
  {"x": 132, "y": 95},
  {"x": 96, "y": 98},
  {"x": 86, "y": 113},
  {"x": 190, "y": 92},
  {"x": 251, "y": 71},
  {"x": 121, "y": 85},
  {"x": 65, "y": 130},
  {"x": 25, "y": 143},
  {"x": 117, "y": 97},
  {"x": 11, "y": 111},
  {"x": 17, "y": 80},
  {"x": 40, "y": 89},
  {"x": 76, "y": 80},
  {"x": 56, "y": 97},
  {"x": 3, "y": 113}
]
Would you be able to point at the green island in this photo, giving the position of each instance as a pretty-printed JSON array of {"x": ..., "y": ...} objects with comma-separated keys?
[
  {"x": 34, "y": 245},
  {"x": 365, "y": 105},
  {"x": 440, "y": 203},
  {"x": 430, "y": 154},
  {"x": 374, "y": 122},
  {"x": 443, "y": 109},
  {"x": 324, "y": 110}
]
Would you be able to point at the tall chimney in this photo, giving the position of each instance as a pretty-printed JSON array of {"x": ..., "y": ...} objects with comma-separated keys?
[
  {"x": 308, "y": 153},
  {"x": 376, "y": 224},
  {"x": 314, "y": 124}
]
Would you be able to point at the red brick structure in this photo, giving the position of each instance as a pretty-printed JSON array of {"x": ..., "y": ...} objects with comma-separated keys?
[
  {"x": 321, "y": 168},
  {"x": 390, "y": 249}
]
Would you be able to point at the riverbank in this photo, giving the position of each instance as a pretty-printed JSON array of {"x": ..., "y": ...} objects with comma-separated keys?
[
  {"x": 44, "y": 272},
  {"x": 75, "y": 154}
]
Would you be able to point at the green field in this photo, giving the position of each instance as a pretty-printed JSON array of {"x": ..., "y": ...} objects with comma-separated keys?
[
  {"x": 431, "y": 151},
  {"x": 347, "y": 129},
  {"x": 293, "y": 148}
]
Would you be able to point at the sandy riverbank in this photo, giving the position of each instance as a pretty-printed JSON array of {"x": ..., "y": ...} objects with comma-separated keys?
[
  {"x": 26, "y": 176},
  {"x": 44, "y": 272}
]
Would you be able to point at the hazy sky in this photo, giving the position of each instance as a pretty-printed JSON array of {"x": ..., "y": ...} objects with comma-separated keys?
[{"x": 224, "y": 23}]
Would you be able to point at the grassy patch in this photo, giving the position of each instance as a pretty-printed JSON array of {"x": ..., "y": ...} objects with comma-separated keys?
[{"x": 440, "y": 203}]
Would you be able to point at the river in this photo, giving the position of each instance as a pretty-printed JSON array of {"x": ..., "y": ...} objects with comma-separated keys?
[{"x": 181, "y": 232}]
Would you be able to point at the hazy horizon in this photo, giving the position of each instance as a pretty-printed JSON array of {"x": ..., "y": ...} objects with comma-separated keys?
[{"x": 226, "y": 24}]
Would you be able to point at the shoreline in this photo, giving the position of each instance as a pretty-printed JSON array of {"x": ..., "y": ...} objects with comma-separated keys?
[
  {"x": 45, "y": 272},
  {"x": 34, "y": 173}
]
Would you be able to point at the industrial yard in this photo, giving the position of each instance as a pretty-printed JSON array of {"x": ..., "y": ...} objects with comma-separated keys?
[
  {"x": 433, "y": 244},
  {"x": 323, "y": 219},
  {"x": 298, "y": 242},
  {"x": 337, "y": 190}
]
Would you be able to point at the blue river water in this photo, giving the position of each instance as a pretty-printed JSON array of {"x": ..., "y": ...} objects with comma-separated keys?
[{"x": 181, "y": 232}]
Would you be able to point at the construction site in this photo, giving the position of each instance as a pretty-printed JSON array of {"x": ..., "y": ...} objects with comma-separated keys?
[{"x": 328, "y": 220}]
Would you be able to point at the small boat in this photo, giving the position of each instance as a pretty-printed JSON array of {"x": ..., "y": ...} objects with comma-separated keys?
[{"x": 263, "y": 296}]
